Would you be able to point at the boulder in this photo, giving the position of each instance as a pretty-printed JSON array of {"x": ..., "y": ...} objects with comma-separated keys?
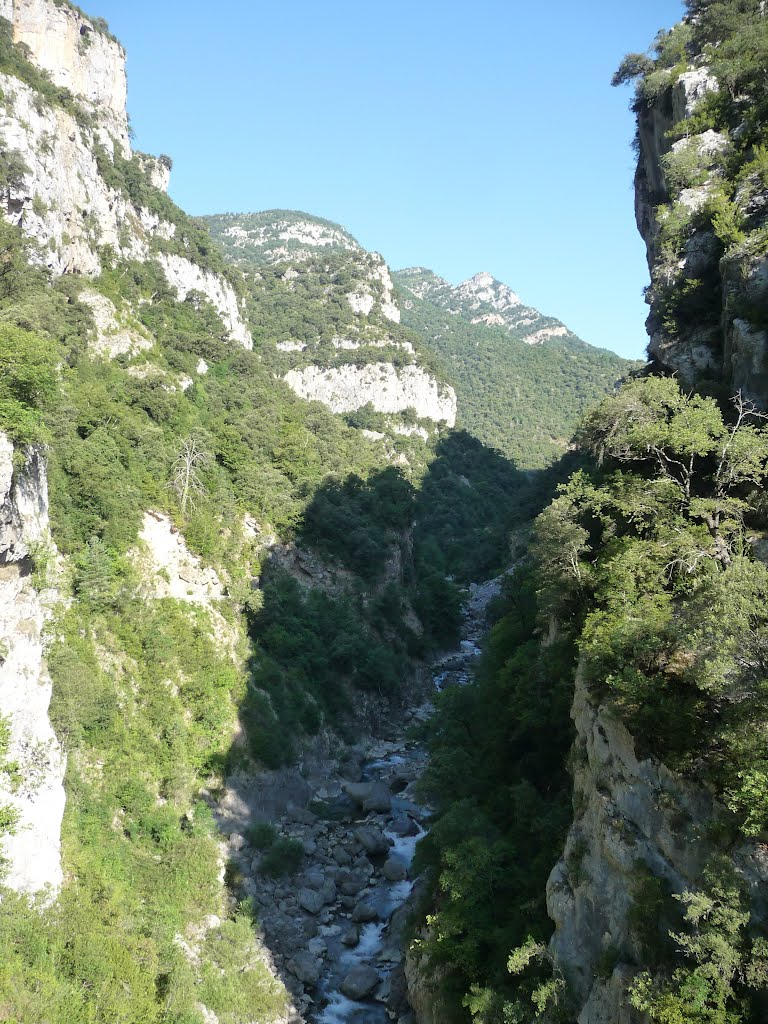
[
  {"x": 352, "y": 885},
  {"x": 328, "y": 891},
  {"x": 317, "y": 946},
  {"x": 306, "y": 967},
  {"x": 371, "y": 796},
  {"x": 372, "y": 840},
  {"x": 236, "y": 841},
  {"x": 310, "y": 900},
  {"x": 357, "y": 791},
  {"x": 379, "y": 800},
  {"x": 395, "y": 869},
  {"x": 314, "y": 877},
  {"x": 351, "y": 935},
  {"x": 359, "y": 982},
  {"x": 364, "y": 912},
  {"x": 403, "y": 826},
  {"x": 301, "y": 815}
]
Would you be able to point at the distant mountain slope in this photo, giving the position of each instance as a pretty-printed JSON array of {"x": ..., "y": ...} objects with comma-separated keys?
[
  {"x": 324, "y": 316},
  {"x": 521, "y": 396},
  {"x": 484, "y": 300}
]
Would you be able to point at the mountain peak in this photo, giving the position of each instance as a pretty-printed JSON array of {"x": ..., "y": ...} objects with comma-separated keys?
[
  {"x": 485, "y": 289},
  {"x": 483, "y": 299}
]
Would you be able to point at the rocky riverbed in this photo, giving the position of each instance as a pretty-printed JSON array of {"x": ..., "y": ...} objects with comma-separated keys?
[{"x": 336, "y": 926}]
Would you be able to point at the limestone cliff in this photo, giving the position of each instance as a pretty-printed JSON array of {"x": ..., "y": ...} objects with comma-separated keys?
[
  {"x": 631, "y": 814},
  {"x": 32, "y": 850},
  {"x": 73, "y": 184},
  {"x": 79, "y": 54},
  {"x": 381, "y": 385},
  {"x": 702, "y": 217}
]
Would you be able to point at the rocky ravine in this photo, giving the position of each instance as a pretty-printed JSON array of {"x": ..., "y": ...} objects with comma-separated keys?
[{"x": 336, "y": 929}]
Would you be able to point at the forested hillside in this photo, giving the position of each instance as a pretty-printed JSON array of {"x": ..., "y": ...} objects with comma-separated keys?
[{"x": 520, "y": 396}]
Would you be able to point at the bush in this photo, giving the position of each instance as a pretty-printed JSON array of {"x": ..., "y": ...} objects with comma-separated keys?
[
  {"x": 262, "y": 835},
  {"x": 282, "y": 858}
]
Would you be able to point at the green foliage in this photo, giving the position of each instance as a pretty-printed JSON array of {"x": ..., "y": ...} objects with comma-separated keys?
[
  {"x": 497, "y": 776},
  {"x": 523, "y": 400},
  {"x": 684, "y": 167},
  {"x": 283, "y": 857},
  {"x": 654, "y": 559},
  {"x": 236, "y": 984},
  {"x": 262, "y": 835},
  {"x": 722, "y": 964},
  {"x": 9, "y": 773},
  {"x": 28, "y": 383}
]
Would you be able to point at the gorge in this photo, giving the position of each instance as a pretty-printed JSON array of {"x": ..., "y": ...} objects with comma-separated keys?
[{"x": 374, "y": 648}]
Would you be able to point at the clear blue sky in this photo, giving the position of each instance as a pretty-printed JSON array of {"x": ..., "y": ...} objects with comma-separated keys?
[{"x": 459, "y": 136}]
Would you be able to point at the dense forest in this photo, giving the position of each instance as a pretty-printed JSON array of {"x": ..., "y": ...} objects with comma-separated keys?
[{"x": 521, "y": 399}]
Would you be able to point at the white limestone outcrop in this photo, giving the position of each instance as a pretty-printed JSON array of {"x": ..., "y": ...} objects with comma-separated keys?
[
  {"x": 169, "y": 569},
  {"x": 375, "y": 288},
  {"x": 307, "y": 232},
  {"x": 62, "y": 202},
  {"x": 386, "y": 388},
  {"x": 113, "y": 336},
  {"x": 484, "y": 289},
  {"x": 78, "y": 56},
  {"x": 185, "y": 277},
  {"x": 32, "y": 852}
]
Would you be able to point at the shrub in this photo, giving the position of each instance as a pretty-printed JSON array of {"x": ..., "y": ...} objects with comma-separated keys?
[
  {"x": 262, "y": 835},
  {"x": 282, "y": 858}
]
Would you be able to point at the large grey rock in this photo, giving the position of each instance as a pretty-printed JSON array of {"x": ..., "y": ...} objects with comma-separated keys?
[
  {"x": 363, "y": 913},
  {"x": 360, "y": 982},
  {"x": 310, "y": 900},
  {"x": 314, "y": 877},
  {"x": 379, "y": 800},
  {"x": 328, "y": 891},
  {"x": 236, "y": 841},
  {"x": 395, "y": 869},
  {"x": 306, "y": 967},
  {"x": 403, "y": 826},
  {"x": 372, "y": 840}
]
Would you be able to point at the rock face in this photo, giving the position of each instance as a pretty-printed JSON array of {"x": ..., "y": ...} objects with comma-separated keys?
[
  {"x": 186, "y": 277},
  {"x": 705, "y": 290},
  {"x": 483, "y": 299},
  {"x": 631, "y": 813},
  {"x": 387, "y": 389},
  {"x": 77, "y": 53},
  {"x": 32, "y": 852},
  {"x": 65, "y": 196}
]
